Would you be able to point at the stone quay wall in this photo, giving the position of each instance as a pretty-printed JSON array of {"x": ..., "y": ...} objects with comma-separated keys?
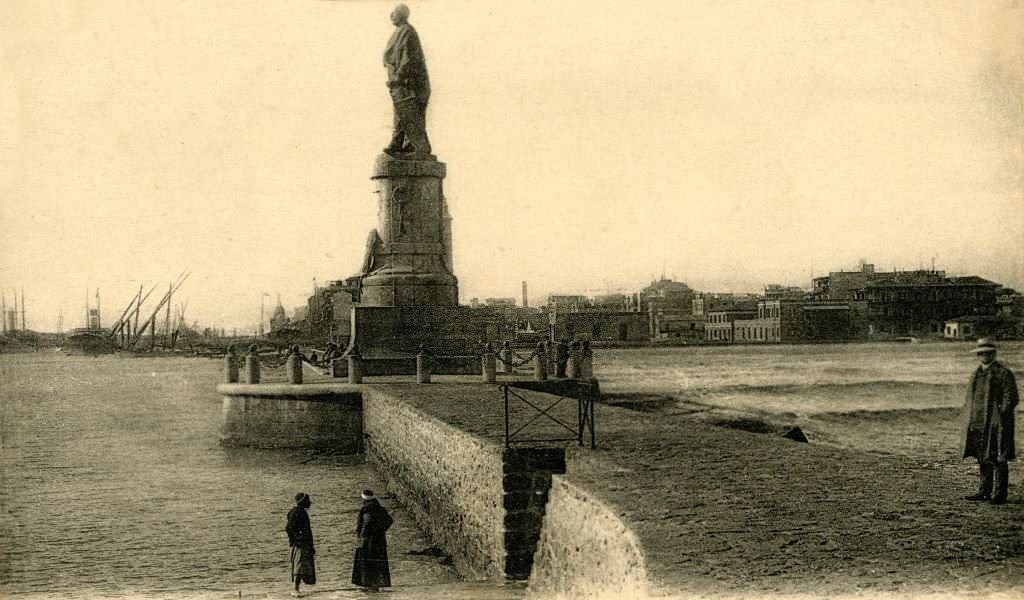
[
  {"x": 482, "y": 503},
  {"x": 321, "y": 417},
  {"x": 585, "y": 549},
  {"x": 500, "y": 513},
  {"x": 450, "y": 481}
]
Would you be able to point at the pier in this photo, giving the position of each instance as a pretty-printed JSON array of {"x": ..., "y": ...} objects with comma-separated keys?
[{"x": 663, "y": 505}]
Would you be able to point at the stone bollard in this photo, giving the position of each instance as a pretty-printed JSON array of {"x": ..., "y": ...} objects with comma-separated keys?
[
  {"x": 507, "y": 356},
  {"x": 293, "y": 366},
  {"x": 423, "y": 365},
  {"x": 252, "y": 365},
  {"x": 587, "y": 362},
  {"x": 540, "y": 364},
  {"x": 231, "y": 365},
  {"x": 355, "y": 366},
  {"x": 490, "y": 365},
  {"x": 574, "y": 361}
]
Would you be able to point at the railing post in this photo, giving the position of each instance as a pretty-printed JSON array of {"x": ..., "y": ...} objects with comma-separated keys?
[
  {"x": 490, "y": 366},
  {"x": 540, "y": 364},
  {"x": 505, "y": 389},
  {"x": 252, "y": 365},
  {"x": 293, "y": 365},
  {"x": 561, "y": 358},
  {"x": 507, "y": 356},
  {"x": 355, "y": 366},
  {"x": 231, "y": 365},
  {"x": 423, "y": 365},
  {"x": 587, "y": 361},
  {"x": 574, "y": 360}
]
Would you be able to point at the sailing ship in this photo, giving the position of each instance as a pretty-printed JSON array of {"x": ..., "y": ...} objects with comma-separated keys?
[{"x": 126, "y": 334}]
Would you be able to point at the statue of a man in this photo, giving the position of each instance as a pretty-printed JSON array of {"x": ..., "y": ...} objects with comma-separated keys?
[{"x": 409, "y": 87}]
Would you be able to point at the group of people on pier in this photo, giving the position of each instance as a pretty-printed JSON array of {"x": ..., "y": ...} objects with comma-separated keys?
[{"x": 370, "y": 569}]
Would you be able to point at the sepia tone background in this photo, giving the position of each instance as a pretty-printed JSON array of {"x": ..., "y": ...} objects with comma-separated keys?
[{"x": 590, "y": 145}]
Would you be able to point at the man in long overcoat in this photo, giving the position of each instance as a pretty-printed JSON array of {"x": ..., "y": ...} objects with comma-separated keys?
[
  {"x": 300, "y": 538},
  {"x": 370, "y": 568},
  {"x": 409, "y": 87},
  {"x": 989, "y": 423}
]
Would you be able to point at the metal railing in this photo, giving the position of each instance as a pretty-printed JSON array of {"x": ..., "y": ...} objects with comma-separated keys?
[{"x": 584, "y": 419}]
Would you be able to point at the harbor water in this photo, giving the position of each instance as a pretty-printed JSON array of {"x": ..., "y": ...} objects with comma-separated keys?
[{"x": 114, "y": 484}]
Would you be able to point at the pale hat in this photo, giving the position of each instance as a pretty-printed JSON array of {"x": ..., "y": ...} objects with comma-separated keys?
[
  {"x": 984, "y": 345},
  {"x": 367, "y": 495}
]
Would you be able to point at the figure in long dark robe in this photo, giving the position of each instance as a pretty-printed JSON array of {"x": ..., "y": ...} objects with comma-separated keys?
[
  {"x": 989, "y": 424},
  {"x": 300, "y": 538},
  {"x": 409, "y": 87},
  {"x": 370, "y": 568}
]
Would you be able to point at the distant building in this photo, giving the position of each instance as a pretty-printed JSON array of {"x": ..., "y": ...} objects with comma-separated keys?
[
  {"x": 612, "y": 303},
  {"x": 279, "y": 318},
  {"x": 971, "y": 327},
  {"x": 672, "y": 326},
  {"x": 564, "y": 303},
  {"x": 500, "y": 301},
  {"x": 603, "y": 326},
  {"x": 706, "y": 302},
  {"x": 1009, "y": 303},
  {"x": 719, "y": 325},
  {"x": 781, "y": 292},
  {"x": 844, "y": 285},
  {"x": 668, "y": 297},
  {"x": 909, "y": 302},
  {"x": 329, "y": 310},
  {"x": 790, "y": 320},
  {"x": 903, "y": 306}
]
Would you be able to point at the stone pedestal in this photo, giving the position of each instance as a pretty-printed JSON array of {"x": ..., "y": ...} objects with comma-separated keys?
[{"x": 409, "y": 257}]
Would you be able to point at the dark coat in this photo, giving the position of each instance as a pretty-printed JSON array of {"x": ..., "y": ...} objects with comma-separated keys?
[
  {"x": 370, "y": 567},
  {"x": 300, "y": 538},
  {"x": 989, "y": 415}
]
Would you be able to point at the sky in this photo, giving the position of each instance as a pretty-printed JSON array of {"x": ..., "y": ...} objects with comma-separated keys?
[{"x": 591, "y": 146}]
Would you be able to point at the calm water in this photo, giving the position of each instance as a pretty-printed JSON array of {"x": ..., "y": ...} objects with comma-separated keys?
[
  {"x": 114, "y": 483},
  {"x": 804, "y": 380}
]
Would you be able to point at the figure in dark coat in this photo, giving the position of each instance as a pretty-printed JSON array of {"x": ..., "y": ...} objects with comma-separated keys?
[
  {"x": 409, "y": 87},
  {"x": 300, "y": 538},
  {"x": 370, "y": 568},
  {"x": 989, "y": 423}
]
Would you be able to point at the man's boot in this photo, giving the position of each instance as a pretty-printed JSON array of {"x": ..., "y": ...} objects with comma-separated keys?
[{"x": 985, "y": 485}]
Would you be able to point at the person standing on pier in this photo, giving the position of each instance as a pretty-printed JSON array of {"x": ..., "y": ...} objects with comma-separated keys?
[
  {"x": 989, "y": 416},
  {"x": 370, "y": 569},
  {"x": 300, "y": 538}
]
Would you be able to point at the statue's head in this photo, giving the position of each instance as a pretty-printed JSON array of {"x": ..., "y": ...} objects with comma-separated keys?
[{"x": 400, "y": 15}]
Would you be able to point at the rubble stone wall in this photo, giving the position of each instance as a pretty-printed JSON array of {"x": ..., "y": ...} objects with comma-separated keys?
[
  {"x": 450, "y": 481},
  {"x": 585, "y": 550}
]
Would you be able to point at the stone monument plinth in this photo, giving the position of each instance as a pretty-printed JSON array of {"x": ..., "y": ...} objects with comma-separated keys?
[{"x": 409, "y": 256}]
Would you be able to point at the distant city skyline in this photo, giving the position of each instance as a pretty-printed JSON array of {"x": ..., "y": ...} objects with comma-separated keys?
[{"x": 728, "y": 145}]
